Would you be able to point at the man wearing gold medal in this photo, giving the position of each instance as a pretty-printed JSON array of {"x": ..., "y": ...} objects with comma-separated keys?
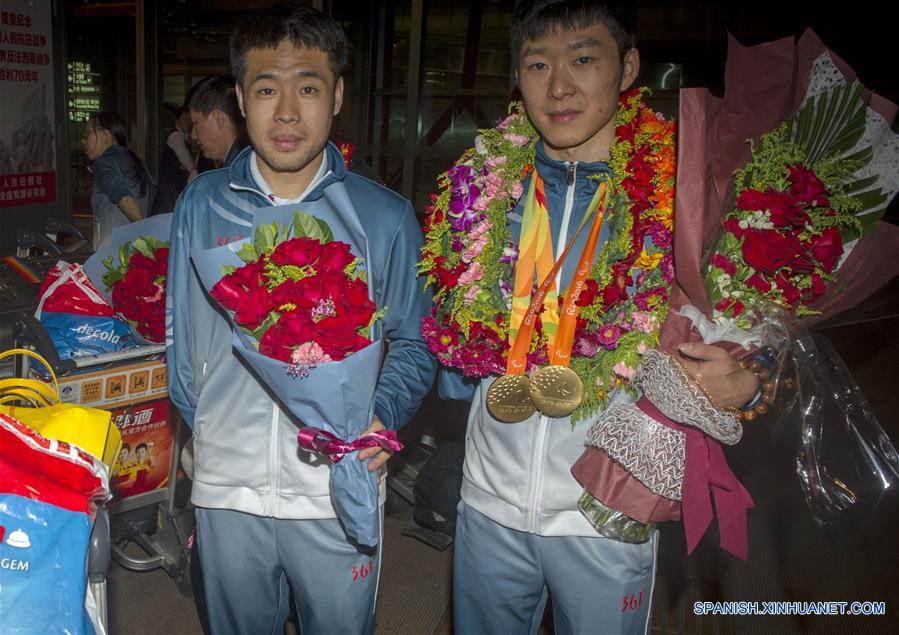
[{"x": 520, "y": 536}]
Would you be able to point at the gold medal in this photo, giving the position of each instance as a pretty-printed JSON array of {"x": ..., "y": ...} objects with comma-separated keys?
[
  {"x": 556, "y": 391},
  {"x": 509, "y": 399}
]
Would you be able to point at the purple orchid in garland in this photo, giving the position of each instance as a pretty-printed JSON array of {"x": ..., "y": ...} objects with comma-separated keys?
[{"x": 464, "y": 193}]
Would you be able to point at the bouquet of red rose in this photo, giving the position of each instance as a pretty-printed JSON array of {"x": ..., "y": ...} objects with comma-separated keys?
[
  {"x": 781, "y": 226},
  {"x": 137, "y": 283},
  {"x": 305, "y": 299},
  {"x": 302, "y": 315},
  {"x": 132, "y": 268}
]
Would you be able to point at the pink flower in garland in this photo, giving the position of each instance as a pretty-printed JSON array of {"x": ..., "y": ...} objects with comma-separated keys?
[
  {"x": 472, "y": 274},
  {"x": 649, "y": 299},
  {"x": 517, "y": 139},
  {"x": 623, "y": 370},
  {"x": 478, "y": 237},
  {"x": 667, "y": 267},
  {"x": 661, "y": 235},
  {"x": 494, "y": 162},
  {"x": 608, "y": 335},
  {"x": 643, "y": 321},
  {"x": 584, "y": 347}
]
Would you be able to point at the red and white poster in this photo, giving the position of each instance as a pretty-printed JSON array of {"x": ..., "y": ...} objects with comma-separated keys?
[
  {"x": 143, "y": 463},
  {"x": 27, "y": 143}
]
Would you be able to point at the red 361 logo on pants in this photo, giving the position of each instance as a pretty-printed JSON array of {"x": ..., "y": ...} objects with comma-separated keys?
[{"x": 362, "y": 572}]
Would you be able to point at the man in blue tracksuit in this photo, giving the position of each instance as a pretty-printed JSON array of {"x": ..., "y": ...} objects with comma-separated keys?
[
  {"x": 520, "y": 536},
  {"x": 265, "y": 521}
]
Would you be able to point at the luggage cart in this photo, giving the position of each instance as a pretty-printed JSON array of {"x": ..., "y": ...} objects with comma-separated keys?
[{"x": 132, "y": 385}]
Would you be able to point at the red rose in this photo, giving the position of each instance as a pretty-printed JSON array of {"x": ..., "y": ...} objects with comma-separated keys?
[
  {"x": 782, "y": 208},
  {"x": 338, "y": 337},
  {"x": 827, "y": 248},
  {"x": 355, "y": 300},
  {"x": 727, "y": 303},
  {"x": 818, "y": 286},
  {"x": 253, "y": 307},
  {"x": 334, "y": 284},
  {"x": 335, "y": 256},
  {"x": 807, "y": 187},
  {"x": 228, "y": 292},
  {"x": 140, "y": 261},
  {"x": 789, "y": 290},
  {"x": 768, "y": 251},
  {"x": 733, "y": 226},
  {"x": 299, "y": 252},
  {"x": 719, "y": 261},
  {"x": 292, "y": 329},
  {"x": 759, "y": 282},
  {"x": 251, "y": 275},
  {"x": 303, "y": 293}
]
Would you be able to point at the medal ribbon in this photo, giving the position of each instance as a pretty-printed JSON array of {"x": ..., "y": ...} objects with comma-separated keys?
[
  {"x": 535, "y": 250},
  {"x": 560, "y": 345},
  {"x": 517, "y": 359}
]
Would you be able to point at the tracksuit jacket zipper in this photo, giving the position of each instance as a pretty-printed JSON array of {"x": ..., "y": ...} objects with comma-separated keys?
[
  {"x": 537, "y": 457},
  {"x": 273, "y": 443}
]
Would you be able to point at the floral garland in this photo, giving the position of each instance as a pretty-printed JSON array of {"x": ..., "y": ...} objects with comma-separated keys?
[{"x": 469, "y": 254}]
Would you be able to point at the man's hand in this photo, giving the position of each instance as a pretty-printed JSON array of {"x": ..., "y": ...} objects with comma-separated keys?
[
  {"x": 377, "y": 454},
  {"x": 718, "y": 373}
]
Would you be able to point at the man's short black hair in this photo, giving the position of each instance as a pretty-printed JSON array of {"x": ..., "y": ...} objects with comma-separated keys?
[
  {"x": 303, "y": 26},
  {"x": 534, "y": 19},
  {"x": 215, "y": 92}
]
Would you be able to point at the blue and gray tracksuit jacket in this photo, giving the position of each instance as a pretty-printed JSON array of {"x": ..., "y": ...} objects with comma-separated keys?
[{"x": 245, "y": 449}]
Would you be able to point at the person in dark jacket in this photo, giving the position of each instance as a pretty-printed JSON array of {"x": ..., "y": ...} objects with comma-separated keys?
[
  {"x": 177, "y": 167},
  {"x": 123, "y": 187},
  {"x": 217, "y": 123}
]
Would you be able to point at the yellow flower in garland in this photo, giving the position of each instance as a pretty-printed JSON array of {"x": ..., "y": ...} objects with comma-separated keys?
[{"x": 648, "y": 262}]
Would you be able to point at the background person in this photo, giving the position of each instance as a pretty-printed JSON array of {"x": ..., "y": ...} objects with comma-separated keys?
[
  {"x": 178, "y": 166},
  {"x": 218, "y": 125},
  {"x": 123, "y": 187}
]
